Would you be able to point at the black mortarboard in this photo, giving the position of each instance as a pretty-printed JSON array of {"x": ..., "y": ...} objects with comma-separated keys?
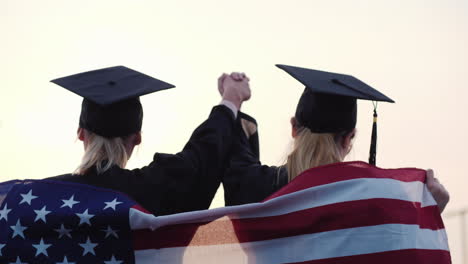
[
  {"x": 111, "y": 106},
  {"x": 328, "y": 103}
]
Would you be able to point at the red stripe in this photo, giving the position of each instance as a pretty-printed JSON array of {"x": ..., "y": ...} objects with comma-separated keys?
[
  {"x": 347, "y": 171},
  {"x": 413, "y": 256},
  {"x": 324, "y": 218},
  {"x": 141, "y": 209}
]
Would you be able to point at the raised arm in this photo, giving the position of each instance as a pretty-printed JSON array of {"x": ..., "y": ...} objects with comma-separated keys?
[
  {"x": 188, "y": 180},
  {"x": 246, "y": 180}
]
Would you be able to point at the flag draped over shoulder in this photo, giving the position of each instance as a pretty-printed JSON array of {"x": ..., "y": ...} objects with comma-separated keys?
[{"x": 341, "y": 213}]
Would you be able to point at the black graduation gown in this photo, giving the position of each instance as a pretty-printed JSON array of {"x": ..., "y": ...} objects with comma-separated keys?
[
  {"x": 247, "y": 180},
  {"x": 182, "y": 182}
]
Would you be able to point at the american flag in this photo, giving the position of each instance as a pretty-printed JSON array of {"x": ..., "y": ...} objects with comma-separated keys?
[
  {"x": 63, "y": 223},
  {"x": 342, "y": 213}
]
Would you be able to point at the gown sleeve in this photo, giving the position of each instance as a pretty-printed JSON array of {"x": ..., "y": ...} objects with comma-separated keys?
[
  {"x": 246, "y": 180},
  {"x": 188, "y": 180}
]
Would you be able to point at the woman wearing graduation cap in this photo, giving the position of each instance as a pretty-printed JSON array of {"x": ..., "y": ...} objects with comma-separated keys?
[
  {"x": 323, "y": 129},
  {"x": 110, "y": 124}
]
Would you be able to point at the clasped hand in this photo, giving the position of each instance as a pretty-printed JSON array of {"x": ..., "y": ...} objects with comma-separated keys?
[{"x": 234, "y": 88}]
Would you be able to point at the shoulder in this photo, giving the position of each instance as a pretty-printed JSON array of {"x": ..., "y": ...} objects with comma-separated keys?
[
  {"x": 63, "y": 177},
  {"x": 69, "y": 177}
]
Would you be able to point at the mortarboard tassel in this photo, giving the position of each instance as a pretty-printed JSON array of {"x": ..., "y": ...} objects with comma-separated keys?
[{"x": 373, "y": 146}]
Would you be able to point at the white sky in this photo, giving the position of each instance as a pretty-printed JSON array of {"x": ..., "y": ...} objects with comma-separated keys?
[{"x": 413, "y": 51}]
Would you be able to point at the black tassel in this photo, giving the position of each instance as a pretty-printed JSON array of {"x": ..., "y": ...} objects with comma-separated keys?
[{"x": 373, "y": 146}]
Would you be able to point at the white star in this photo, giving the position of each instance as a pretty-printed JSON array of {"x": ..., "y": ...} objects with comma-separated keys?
[
  {"x": 18, "y": 261},
  {"x": 4, "y": 213},
  {"x": 112, "y": 204},
  {"x": 85, "y": 217},
  {"x": 88, "y": 247},
  {"x": 28, "y": 197},
  {"x": 41, "y": 214},
  {"x": 1, "y": 247},
  {"x": 18, "y": 229},
  {"x": 65, "y": 261},
  {"x": 110, "y": 232},
  {"x": 63, "y": 231},
  {"x": 70, "y": 202},
  {"x": 113, "y": 261},
  {"x": 41, "y": 248}
]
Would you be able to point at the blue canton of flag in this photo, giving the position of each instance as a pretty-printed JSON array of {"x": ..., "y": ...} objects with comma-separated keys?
[{"x": 63, "y": 223}]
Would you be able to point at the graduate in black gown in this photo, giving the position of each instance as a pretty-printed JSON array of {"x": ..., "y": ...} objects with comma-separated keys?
[
  {"x": 323, "y": 129},
  {"x": 110, "y": 124}
]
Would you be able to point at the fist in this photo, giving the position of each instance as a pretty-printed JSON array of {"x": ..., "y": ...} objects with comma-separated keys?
[
  {"x": 234, "y": 88},
  {"x": 438, "y": 191}
]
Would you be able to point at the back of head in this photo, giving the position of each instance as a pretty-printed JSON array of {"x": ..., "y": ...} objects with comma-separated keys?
[
  {"x": 328, "y": 106},
  {"x": 111, "y": 111},
  {"x": 103, "y": 153},
  {"x": 312, "y": 150},
  {"x": 111, "y": 105}
]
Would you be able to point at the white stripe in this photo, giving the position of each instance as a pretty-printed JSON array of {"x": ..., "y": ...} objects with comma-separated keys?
[
  {"x": 338, "y": 243},
  {"x": 343, "y": 191}
]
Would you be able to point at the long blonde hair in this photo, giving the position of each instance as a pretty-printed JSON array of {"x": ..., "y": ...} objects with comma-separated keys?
[
  {"x": 312, "y": 150},
  {"x": 103, "y": 153}
]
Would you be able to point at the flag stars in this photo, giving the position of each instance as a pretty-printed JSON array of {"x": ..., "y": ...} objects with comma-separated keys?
[
  {"x": 27, "y": 197},
  {"x": 85, "y": 217},
  {"x": 41, "y": 214},
  {"x": 110, "y": 232},
  {"x": 112, "y": 204},
  {"x": 4, "y": 213},
  {"x": 113, "y": 261},
  {"x": 18, "y": 261},
  {"x": 88, "y": 247},
  {"x": 18, "y": 229},
  {"x": 63, "y": 231},
  {"x": 65, "y": 261},
  {"x": 41, "y": 248},
  {"x": 70, "y": 202}
]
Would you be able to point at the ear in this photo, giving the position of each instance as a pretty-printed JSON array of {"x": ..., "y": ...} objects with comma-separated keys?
[
  {"x": 137, "y": 138},
  {"x": 347, "y": 141},
  {"x": 81, "y": 133},
  {"x": 293, "y": 127}
]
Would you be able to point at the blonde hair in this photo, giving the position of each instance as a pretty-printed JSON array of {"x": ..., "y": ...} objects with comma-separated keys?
[
  {"x": 103, "y": 153},
  {"x": 312, "y": 150}
]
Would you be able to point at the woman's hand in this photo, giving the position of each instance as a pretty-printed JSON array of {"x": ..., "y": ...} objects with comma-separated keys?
[
  {"x": 438, "y": 191},
  {"x": 234, "y": 88}
]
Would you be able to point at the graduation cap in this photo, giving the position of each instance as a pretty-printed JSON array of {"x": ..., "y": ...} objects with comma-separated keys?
[
  {"x": 328, "y": 103},
  {"x": 111, "y": 106}
]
